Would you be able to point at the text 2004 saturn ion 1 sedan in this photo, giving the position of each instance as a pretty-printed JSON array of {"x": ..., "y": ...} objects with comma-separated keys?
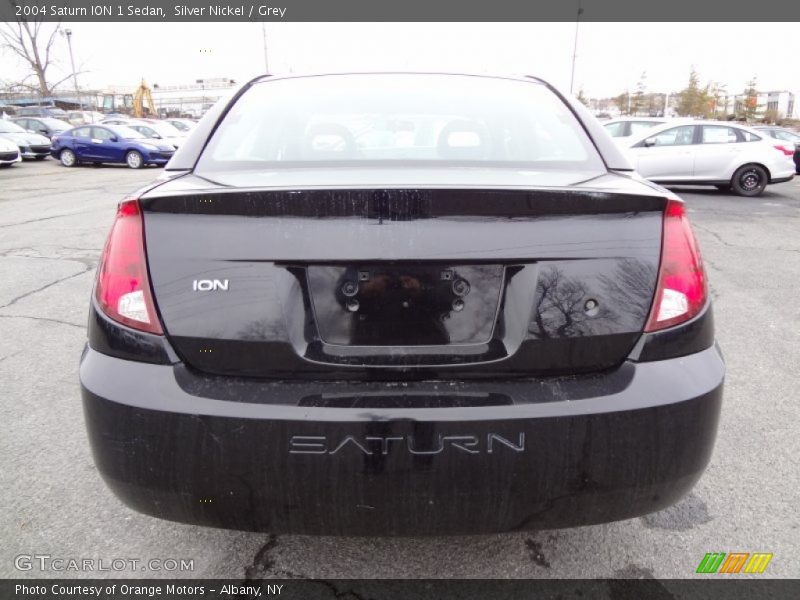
[{"x": 399, "y": 304}]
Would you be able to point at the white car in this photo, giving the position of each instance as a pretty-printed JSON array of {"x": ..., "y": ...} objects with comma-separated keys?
[
  {"x": 624, "y": 127},
  {"x": 84, "y": 117},
  {"x": 184, "y": 125},
  {"x": 9, "y": 153},
  {"x": 723, "y": 154},
  {"x": 153, "y": 129}
]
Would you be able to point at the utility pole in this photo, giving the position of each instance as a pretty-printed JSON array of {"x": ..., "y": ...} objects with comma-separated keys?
[
  {"x": 264, "y": 37},
  {"x": 68, "y": 33},
  {"x": 575, "y": 46}
]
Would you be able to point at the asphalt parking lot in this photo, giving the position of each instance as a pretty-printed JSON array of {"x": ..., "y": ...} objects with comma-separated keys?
[{"x": 53, "y": 222}]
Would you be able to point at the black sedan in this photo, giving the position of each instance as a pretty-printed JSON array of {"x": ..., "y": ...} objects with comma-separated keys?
[
  {"x": 785, "y": 135},
  {"x": 385, "y": 304}
]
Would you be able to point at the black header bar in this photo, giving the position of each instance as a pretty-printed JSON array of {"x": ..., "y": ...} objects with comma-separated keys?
[{"x": 711, "y": 11}]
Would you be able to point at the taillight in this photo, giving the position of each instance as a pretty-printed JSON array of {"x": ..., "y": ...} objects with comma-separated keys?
[
  {"x": 123, "y": 288},
  {"x": 681, "y": 289},
  {"x": 788, "y": 151}
]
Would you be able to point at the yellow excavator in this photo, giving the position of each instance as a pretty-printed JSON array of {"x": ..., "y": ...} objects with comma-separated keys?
[{"x": 143, "y": 102}]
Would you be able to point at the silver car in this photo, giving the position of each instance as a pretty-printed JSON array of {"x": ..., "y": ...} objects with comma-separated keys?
[{"x": 32, "y": 146}]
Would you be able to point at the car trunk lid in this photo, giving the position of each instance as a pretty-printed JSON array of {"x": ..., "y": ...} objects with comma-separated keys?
[{"x": 413, "y": 281}]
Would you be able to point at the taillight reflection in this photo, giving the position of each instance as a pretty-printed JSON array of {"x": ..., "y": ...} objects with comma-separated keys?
[{"x": 787, "y": 150}]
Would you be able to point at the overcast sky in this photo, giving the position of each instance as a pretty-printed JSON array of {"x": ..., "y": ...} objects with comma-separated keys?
[{"x": 611, "y": 56}]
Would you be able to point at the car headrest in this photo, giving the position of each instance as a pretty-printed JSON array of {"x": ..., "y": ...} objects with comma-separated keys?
[
  {"x": 329, "y": 140},
  {"x": 463, "y": 139}
]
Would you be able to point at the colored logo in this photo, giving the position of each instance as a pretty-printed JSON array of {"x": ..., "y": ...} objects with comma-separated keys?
[{"x": 734, "y": 562}]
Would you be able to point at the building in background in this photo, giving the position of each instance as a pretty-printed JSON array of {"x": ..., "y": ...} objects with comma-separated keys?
[
  {"x": 776, "y": 104},
  {"x": 191, "y": 100}
]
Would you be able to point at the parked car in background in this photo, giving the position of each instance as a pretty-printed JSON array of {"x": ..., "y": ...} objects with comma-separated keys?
[
  {"x": 9, "y": 153},
  {"x": 623, "y": 127},
  {"x": 84, "y": 117},
  {"x": 183, "y": 125},
  {"x": 109, "y": 144},
  {"x": 42, "y": 111},
  {"x": 32, "y": 146},
  {"x": 458, "y": 316},
  {"x": 153, "y": 129},
  {"x": 785, "y": 135},
  {"x": 712, "y": 153},
  {"x": 46, "y": 126}
]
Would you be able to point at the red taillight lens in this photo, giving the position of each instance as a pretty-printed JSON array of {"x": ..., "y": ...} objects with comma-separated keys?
[
  {"x": 123, "y": 288},
  {"x": 788, "y": 151},
  {"x": 681, "y": 289}
]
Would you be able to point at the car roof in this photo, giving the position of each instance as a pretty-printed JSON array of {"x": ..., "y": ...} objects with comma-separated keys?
[
  {"x": 682, "y": 123},
  {"x": 628, "y": 118},
  {"x": 775, "y": 127},
  {"x": 302, "y": 75}
]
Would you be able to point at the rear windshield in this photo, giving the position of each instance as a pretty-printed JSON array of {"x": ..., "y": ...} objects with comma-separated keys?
[{"x": 402, "y": 119}]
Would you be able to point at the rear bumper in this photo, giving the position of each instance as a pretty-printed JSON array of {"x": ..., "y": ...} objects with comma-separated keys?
[{"x": 560, "y": 453}]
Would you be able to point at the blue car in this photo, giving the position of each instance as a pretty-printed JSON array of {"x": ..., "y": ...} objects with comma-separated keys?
[{"x": 109, "y": 144}]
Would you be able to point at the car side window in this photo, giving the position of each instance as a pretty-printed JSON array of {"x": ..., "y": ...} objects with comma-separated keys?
[
  {"x": 717, "y": 134},
  {"x": 83, "y": 132},
  {"x": 786, "y": 136},
  {"x": 677, "y": 136},
  {"x": 638, "y": 126},
  {"x": 747, "y": 136},
  {"x": 101, "y": 133},
  {"x": 615, "y": 129}
]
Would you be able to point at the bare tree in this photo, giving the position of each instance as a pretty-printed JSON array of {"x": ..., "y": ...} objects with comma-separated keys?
[{"x": 32, "y": 41}]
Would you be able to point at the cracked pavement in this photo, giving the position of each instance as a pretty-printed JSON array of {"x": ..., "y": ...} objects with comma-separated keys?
[{"x": 53, "y": 222}]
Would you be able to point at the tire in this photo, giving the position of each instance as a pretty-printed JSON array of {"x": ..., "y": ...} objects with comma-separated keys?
[
  {"x": 68, "y": 158},
  {"x": 134, "y": 159},
  {"x": 749, "y": 180},
  {"x": 723, "y": 187}
]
